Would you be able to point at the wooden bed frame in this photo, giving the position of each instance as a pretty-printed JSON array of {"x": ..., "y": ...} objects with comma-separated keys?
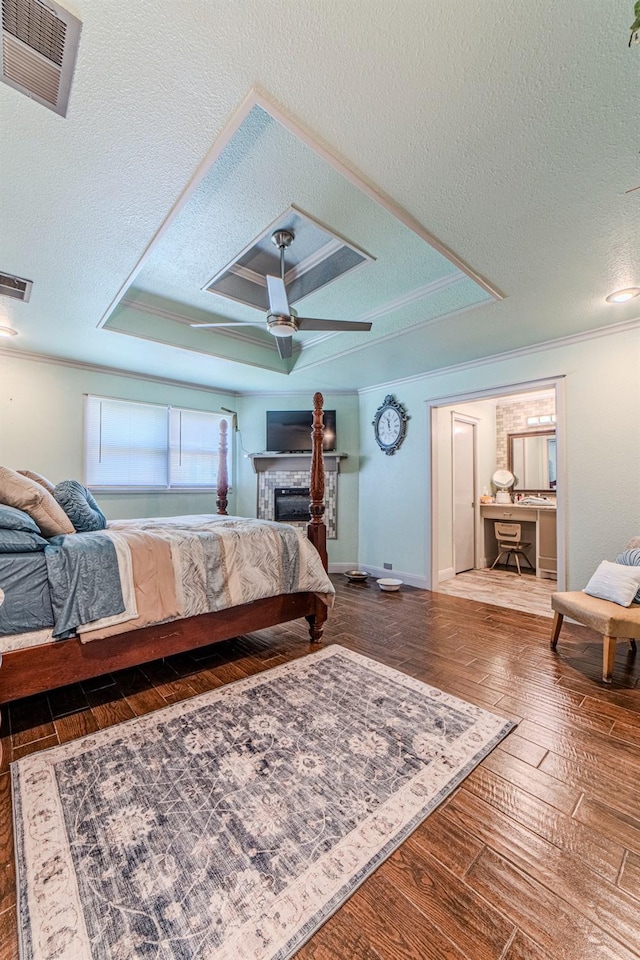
[{"x": 60, "y": 662}]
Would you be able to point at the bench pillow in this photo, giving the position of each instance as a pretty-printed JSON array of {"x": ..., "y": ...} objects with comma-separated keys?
[
  {"x": 25, "y": 494},
  {"x": 20, "y": 541},
  {"x": 615, "y": 582},
  {"x": 80, "y": 506},
  {"x": 631, "y": 558},
  {"x": 12, "y": 519}
]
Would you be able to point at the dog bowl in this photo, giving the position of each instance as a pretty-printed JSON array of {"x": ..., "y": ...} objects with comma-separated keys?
[
  {"x": 388, "y": 583},
  {"x": 357, "y": 576}
]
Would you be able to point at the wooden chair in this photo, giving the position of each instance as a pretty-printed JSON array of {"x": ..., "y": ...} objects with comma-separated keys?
[
  {"x": 607, "y": 618},
  {"x": 508, "y": 536}
]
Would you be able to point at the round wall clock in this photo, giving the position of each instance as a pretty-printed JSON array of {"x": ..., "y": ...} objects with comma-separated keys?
[{"x": 390, "y": 425}]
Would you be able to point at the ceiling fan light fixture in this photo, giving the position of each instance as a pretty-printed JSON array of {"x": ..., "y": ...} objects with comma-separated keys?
[
  {"x": 8, "y": 332},
  {"x": 281, "y": 326},
  {"x": 621, "y": 296}
]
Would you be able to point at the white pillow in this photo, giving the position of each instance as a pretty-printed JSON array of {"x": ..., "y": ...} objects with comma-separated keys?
[{"x": 614, "y": 581}]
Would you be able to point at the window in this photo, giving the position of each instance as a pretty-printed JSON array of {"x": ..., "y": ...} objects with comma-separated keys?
[{"x": 150, "y": 446}]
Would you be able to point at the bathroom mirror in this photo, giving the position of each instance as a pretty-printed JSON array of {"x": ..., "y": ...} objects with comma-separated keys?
[{"x": 532, "y": 460}]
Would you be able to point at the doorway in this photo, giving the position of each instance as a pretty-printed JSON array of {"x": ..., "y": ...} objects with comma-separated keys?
[{"x": 472, "y": 436}]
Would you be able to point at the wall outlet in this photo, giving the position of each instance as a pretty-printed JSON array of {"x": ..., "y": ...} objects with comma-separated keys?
[{"x": 388, "y": 566}]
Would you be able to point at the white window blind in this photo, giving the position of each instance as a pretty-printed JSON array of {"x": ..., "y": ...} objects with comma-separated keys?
[
  {"x": 193, "y": 456},
  {"x": 149, "y": 446}
]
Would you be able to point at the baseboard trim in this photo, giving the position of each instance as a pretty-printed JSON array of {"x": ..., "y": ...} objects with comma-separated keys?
[
  {"x": 342, "y": 567},
  {"x": 447, "y": 574}
]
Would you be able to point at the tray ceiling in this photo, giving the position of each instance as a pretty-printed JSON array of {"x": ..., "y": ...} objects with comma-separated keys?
[
  {"x": 264, "y": 179},
  {"x": 507, "y": 139}
]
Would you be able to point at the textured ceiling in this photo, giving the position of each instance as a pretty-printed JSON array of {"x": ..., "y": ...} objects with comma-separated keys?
[{"x": 510, "y": 136}]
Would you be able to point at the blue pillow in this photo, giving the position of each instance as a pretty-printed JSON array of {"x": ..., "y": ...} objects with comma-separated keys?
[
  {"x": 14, "y": 519},
  {"x": 631, "y": 558},
  {"x": 79, "y": 506},
  {"x": 20, "y": 541}
]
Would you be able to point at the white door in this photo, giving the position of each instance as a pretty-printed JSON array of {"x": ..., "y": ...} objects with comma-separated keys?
[{"x": 464, "y": 526}]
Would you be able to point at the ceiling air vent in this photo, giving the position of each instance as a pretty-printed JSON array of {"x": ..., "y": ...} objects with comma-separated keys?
[
  {"x": 38, "y": 54},
  {"x": 15, "y": 287}
]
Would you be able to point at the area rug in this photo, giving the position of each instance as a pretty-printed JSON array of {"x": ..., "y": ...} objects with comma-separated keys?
[{"x": 231, "y": 826}]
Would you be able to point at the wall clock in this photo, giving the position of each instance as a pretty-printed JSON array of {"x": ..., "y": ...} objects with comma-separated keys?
[{"x": 390, "y": 425}]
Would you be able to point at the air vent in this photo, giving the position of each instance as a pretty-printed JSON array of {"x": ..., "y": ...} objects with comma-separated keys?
[
  {"x": 15, "y": 287},
  {"x": 38, "y": 53}
]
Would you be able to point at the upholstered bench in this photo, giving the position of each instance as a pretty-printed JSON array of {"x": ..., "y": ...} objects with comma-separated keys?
[{"x": 609, "y": 619}]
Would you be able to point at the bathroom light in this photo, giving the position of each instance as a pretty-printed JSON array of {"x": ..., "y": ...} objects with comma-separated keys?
[
  {"x": 8, "y": 332},
  {"x": 621, "y": 296}
]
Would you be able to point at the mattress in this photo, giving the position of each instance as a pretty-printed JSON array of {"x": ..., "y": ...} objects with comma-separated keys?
[{"x": 154, "y": 570}]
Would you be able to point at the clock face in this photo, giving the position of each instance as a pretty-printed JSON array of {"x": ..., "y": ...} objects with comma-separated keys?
[{"x": 390, "y": 425}]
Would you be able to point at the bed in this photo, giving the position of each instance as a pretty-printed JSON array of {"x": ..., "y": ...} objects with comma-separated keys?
[{"x": 35, "y": 661}]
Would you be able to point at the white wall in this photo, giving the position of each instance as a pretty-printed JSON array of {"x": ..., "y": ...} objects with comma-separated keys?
[
  {"x": 252, "y": 422},
  {"x": 41, "y": 428},
  {"x": 602, "y": 394}
]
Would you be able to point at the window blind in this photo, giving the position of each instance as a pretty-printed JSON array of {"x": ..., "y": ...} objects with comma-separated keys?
[
  {"x": 193, "y": 448},
  {"x": 146, "y": 445}
]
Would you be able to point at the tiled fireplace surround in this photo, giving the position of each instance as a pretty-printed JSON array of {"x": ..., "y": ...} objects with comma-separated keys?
[{"x": 286, "y": 476}]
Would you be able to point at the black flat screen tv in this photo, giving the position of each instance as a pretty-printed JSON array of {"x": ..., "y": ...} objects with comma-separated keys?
[{"x": 289, "y": 431}]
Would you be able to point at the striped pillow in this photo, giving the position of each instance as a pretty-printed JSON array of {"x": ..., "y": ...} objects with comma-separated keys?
[
  {"x": 616, "y": 582},
  {"x": 630, "y": 558}
]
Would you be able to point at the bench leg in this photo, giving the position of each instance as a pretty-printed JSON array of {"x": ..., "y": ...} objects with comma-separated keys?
[
  {"x": 633, "y": 646},
  {"x": 608, "y": 656},
  {"x": 555, "y": 633}
]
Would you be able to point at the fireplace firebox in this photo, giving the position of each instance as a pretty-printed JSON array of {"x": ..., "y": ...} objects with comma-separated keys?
[{"x": 291, "y": 504}]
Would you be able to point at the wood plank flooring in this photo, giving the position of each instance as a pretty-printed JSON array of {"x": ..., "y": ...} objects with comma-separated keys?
[
  {"x": 505, "y": 588},
  {"x": 535, "y": 857}
]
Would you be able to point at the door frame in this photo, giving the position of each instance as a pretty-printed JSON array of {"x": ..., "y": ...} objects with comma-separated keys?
[
  {"x": 457, "y": 417},
  {"x": 507, "y": 389}
]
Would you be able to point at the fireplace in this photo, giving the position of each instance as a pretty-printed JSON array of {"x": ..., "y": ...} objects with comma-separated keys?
[
  {"x": 290, "y": 504},
  {"x": 290, "y": 472}
]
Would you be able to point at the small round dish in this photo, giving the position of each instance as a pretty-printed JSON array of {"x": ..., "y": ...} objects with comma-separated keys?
[
  {"x": 389, "y": 584},
  {"x": 357, "y": 576}
]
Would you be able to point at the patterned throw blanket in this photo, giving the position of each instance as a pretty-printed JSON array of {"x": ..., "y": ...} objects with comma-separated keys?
[{"x": 184, "y": 566}]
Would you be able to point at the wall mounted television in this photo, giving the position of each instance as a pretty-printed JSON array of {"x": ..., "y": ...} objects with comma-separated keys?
[{"x": 289, "y": 431}]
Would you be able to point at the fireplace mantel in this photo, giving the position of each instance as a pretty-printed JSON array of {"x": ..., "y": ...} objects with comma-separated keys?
[{"x": 265, "y": 462}]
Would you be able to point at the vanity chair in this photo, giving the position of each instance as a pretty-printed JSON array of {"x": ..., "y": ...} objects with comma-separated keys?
[{"x": 509, "y": 540}]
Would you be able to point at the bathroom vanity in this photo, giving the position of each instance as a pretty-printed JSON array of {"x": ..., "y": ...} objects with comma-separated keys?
[{"x": 538, "y": 527}]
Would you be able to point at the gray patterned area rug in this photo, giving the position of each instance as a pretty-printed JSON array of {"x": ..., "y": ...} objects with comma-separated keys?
[{"x": 231, "y": 826}]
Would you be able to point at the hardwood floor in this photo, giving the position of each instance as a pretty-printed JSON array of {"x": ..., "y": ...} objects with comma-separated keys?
[
  {"x": 505, "y": 588},
  {"x": 535, "y": 857}
]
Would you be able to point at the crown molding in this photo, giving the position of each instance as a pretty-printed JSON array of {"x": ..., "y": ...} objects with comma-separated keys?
[
  {"x": 269, "y": 394},
  {"x": 596, "y": 334},
  {"x": 114, "y": 371},
  {"x": 232, "y": 332},
  {"x": 389, "y": 336},
  {"x": 413, "y": 296}
]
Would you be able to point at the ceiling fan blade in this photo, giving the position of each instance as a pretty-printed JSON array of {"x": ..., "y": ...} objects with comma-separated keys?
[
  {"x": 231, "y": 323},
  {"x": 285, "y": 346},
  {"x": 309, "y": 323},
  {"x": 278, "y": 302}
]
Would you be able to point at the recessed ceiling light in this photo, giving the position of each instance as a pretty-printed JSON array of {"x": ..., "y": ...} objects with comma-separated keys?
[
  {"x": 621, "y": 296},
  {"x": 8, "y": 332}
]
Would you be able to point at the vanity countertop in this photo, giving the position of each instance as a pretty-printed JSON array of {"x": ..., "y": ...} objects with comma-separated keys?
[{"x": 522, "y": 506}]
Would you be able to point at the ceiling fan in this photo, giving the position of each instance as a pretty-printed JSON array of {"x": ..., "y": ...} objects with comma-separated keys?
[{"x": 281, "y": 320}]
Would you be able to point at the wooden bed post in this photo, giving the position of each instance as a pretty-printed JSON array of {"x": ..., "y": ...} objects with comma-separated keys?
[
  {"x": 223, "y": 479},
  {"x": 316, "y": 530}
]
